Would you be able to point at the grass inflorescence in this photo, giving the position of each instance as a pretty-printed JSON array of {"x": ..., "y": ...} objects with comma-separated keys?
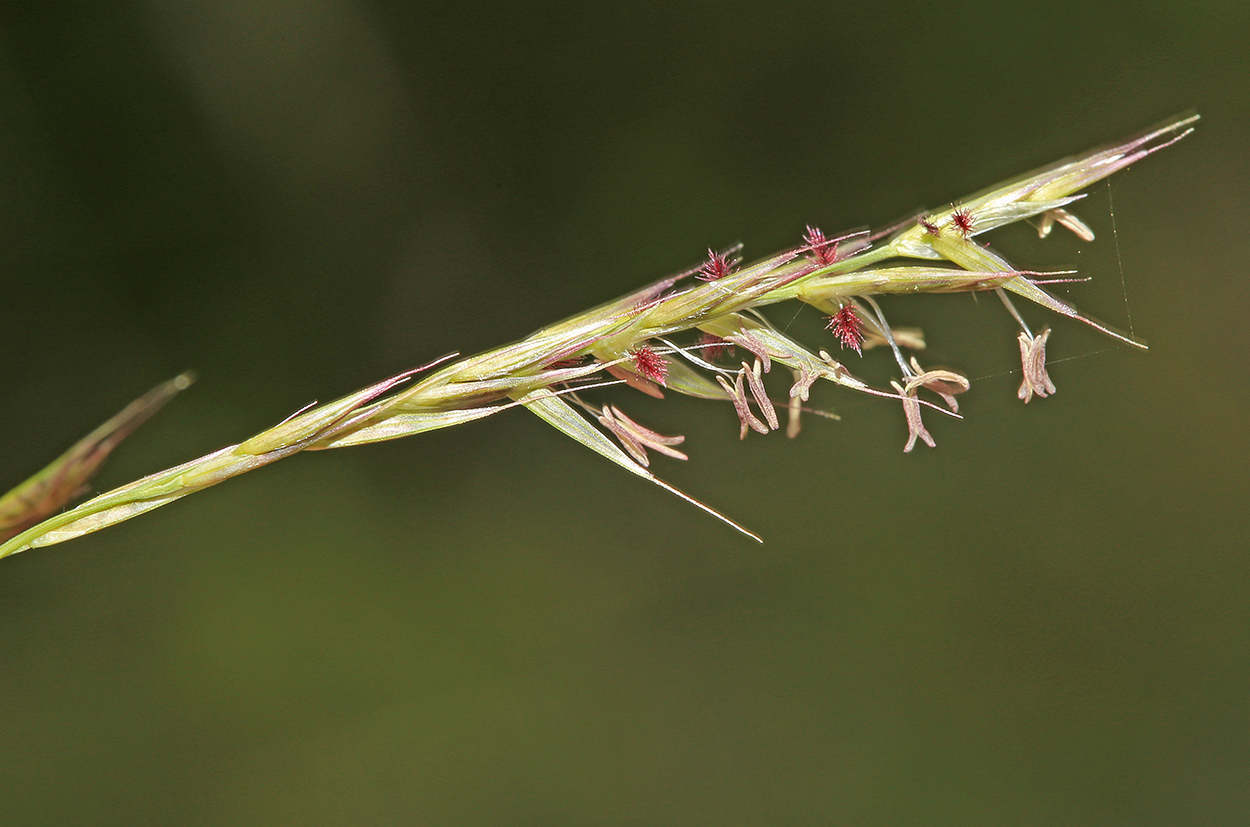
[{"x": 676, "y": 335}]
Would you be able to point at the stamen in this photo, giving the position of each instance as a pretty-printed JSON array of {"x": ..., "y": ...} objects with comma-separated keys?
[
  {"x": 945, "y": 383},
  {"x": 761, "y": 394},
  {"x": 1033, "y": 362},
  {"x": 737, "y": 394},
  {"x": 636, "y": 439},
  {"x": 915, "y": 425}
]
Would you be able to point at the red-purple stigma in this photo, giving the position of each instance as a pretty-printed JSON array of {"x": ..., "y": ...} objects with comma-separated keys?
[
  {"x": 820, "y": 250},
  {"x": 650, "y": 365},
  {"x": 717, "y": 266},
  {"x": 963, "y": 221},
  {"x": 848, "y": 328}
]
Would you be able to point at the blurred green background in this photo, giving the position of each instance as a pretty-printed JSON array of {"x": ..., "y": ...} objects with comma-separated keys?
[{"x": 1043, "y": 621}]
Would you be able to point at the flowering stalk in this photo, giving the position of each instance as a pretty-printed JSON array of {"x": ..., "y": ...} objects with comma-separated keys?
[{"x": 632, "y": 340}]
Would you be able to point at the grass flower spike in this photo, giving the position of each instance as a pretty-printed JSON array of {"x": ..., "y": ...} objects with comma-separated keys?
[{"x": 674, "y": 336}]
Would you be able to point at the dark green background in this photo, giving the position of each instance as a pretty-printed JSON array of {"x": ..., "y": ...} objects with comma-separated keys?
[{"x": 1044, "y": 621}]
